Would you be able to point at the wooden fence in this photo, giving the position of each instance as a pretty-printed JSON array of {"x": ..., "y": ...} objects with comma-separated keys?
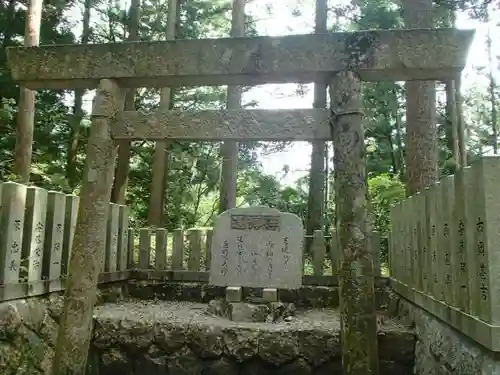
[
  {"x": 445, "y": 250},
  {"x": 36, "y": 234}
]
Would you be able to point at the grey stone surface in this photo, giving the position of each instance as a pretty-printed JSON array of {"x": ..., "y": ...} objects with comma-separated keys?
[
  {"x": 12, "y": 203},
  {"x": 375, "y": 55},
  {"x": 269, "y": 312},
  {"x": 305, "y": 297},
  {"x": 138, "y": 337},
  {"x": 440, "y": 349},
  {"x": 230, "y": 124},
  {"x": 484, "y": 257},
  {"x": 257, "y": 247},
  {"x": 234, "y": 293}
]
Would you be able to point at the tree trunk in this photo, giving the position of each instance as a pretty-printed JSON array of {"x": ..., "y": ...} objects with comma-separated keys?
[
  {"x": 399, "y": 138},
  {"x": 451, "y": 121},
  {"x": 316, "y": 197},
  {"x": 26, "y": 105},
  {"x": 9, "y": 31},
  {"x": 492, "y": 86},
  {"x": 462, "y": 150},
  {"x": 77, "y": 109},
  {"x": 124, "y": 147},
  {"x": 160, "y": 158},
  {"x": 229, "y": 149},
  {"x": 326, "y": 185},
  {"x": 356, "y": 276},
  {"x": 421, "y": 135},
  {"x": 75, "y": 328}
]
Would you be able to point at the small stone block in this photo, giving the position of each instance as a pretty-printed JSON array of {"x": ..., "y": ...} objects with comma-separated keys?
[
  {"x": 270, "y": 294},
  {"x": 234, "y": 294}
]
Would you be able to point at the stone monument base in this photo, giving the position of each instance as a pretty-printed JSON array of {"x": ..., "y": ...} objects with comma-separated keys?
[{"x": 270, "y": 312}]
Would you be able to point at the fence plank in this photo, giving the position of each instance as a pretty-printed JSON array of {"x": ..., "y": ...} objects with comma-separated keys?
[
  {"x": 33, "y": 235},
  {"x": 375, "y": 246},
  {"x": 334, "y": 253},
  {"x": 131, "y": 249},
  {"x": 13, "y": 201},
  {"x": 438, "y": 250},
  {"x": 123, "y": 212},
  {"x": 318, "y": 251},
  {"x": 459, "y": 258},
  {"x": 70, "y": 217},
  {"x": 208, "y": 249},
  {"x": 487, "y": 235},
  {"x": 449, "y": 238},
  {"x": 395, "y": 257},
  {"x": 405, "y": 252},
  {"x": 161, "y": 249},
  {"x": 54, "y": 236},
  {"x": 476, "y": 215},
  {"x": 111, "y": 251},
  {"x": 432, "y": 213},
  {"x": 144, "y": 248},
  {"x": 419, "y": 264},
  {"x": 178, "y": 250},
  {"x": 404, "y": 271},
  {"x": 194, "y": 240}
]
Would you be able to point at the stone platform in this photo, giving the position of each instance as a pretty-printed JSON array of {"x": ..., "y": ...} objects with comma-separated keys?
[{"x": 181, "y": 338}]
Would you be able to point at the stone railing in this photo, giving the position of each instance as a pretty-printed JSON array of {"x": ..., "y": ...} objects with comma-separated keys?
[
  {"x": 445, "y": 250},
  {"x": 36, "y": 234},
  {"x": 185, "y": 255}
]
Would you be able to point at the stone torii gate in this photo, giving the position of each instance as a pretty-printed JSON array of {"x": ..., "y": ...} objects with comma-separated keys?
[{"x": 342, "y": 59}]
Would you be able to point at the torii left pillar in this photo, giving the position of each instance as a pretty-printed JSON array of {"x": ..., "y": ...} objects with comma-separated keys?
[
  {"x": 356, "y": 275},
  {"x": 75, "y": 330}
]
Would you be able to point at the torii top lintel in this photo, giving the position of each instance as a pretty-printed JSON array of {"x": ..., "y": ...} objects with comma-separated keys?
[{"x": 396, "y": 55}]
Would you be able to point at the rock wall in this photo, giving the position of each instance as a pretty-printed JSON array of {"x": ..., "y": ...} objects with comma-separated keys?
[
  {"x": 125, "y": 343},
  {"x": 178, "y": 338},
  {"x": 29, "y": 327},
  {"x": 440, "y": 349},
  {"x": 28, "y": 332}
]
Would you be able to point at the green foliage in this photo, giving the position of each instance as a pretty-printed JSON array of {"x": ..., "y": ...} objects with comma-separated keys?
[
  {"x": 384, "y": 191},
  {"x": 20, "y": 360},
  {"x": 192, "y": 181}
]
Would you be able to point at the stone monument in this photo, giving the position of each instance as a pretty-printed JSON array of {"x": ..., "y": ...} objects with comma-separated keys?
[{"x": 258, "y": 247}]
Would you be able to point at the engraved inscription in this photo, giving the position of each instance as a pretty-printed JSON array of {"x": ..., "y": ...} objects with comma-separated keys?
[
  {"x": 286, "y": 252},
  {"x": 256, "y": 222},
  {"x": 241, "y": 256},
  {"x": 257, "y": 247},
  {"x": 224, "y": 253},
  {"x": 269, "y": 256},
  {"x": 484, "y": 281}
]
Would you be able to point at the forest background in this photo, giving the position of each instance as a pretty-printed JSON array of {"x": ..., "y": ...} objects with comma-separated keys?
[{"x": 271, "y": 174}]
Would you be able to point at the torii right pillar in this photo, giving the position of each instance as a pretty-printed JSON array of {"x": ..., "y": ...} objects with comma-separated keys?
[{"x": 356, "y": 276}]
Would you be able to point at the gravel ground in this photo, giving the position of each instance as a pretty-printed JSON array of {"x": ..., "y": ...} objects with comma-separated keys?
[{"x": 189, "y": 313}]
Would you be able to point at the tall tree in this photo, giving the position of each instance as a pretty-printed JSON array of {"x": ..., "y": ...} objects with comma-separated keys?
[
  {"x": 229, "y": 149},
  {"x": 356, "y": 277},
  {"x": 492, "y": 88},
  {"x": 160, "y": 156},
  {"x": 125, "y": 147},
  {"x": 78, "y": 107},
  {"x": 26, "y": 104},
  {"x": 75, "y": 328},
  {"x": 421, "y": 135},
  {"x": 315, "y": 202}
]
